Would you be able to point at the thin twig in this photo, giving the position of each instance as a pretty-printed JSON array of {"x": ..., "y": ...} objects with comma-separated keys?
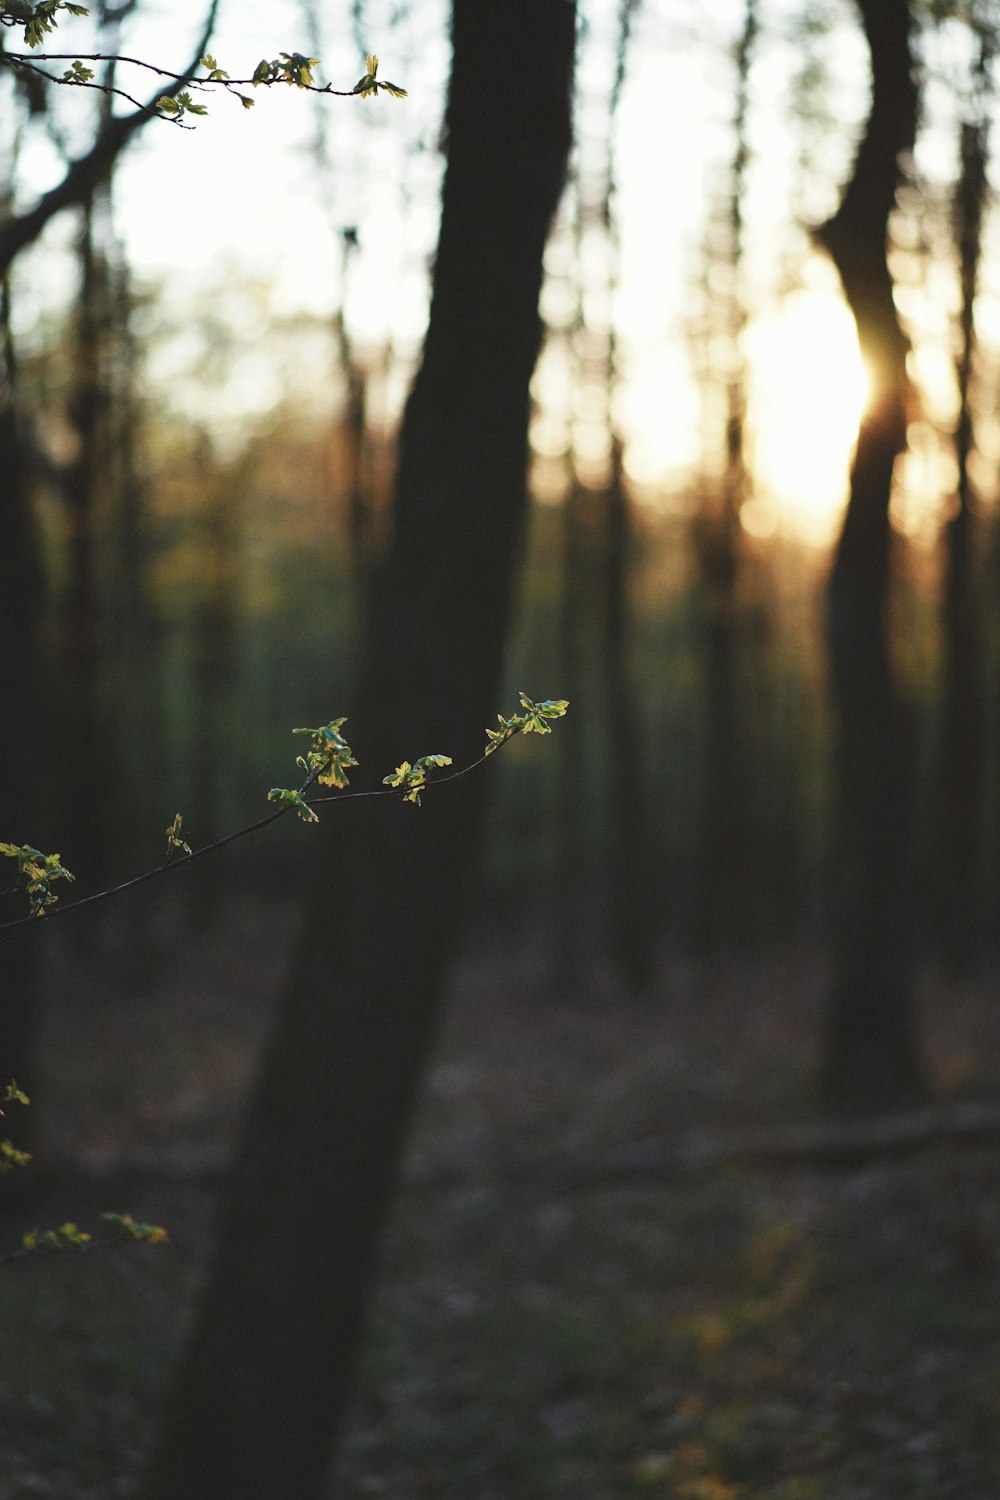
[
  {"x": 30, "y": 60},
  {"x": 29, "y": 65},
  {"x": 174, "y": 863},
  {"x": 106, "y": 1242}
]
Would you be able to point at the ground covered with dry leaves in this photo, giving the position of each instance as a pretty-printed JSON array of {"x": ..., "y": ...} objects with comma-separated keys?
[{"x": 788, "y": 1332}]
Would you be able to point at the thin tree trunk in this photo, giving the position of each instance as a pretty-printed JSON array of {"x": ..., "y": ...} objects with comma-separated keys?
[
  {"x": 871, "y": 1059},
  {"x": 572, "y": 893},
  {"x": 630, "y": 868},
  {"x": 82, "y": 774},
  {"x": 630, "y": 894},
  {"x": 275, "y": 1347},
  {"x": 955, "y": 867}
]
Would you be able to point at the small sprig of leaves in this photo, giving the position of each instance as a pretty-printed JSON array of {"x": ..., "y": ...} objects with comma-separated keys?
[
  {"x": 70, "y": 1236},
  {"x": 176, "y": 106},
  {"x": 329, "y": 755},
  {"x": 368, "y": 86},
  {"x": 78, "y": 73},
  {"x": 288, "y": 67},
  {"x": 66, "y": 1236},
  {"x": 534, "y": 720},
  {"x": 174, "y": 841},
  {"x": 37, "y": 19},
  {"x": 413, "y": 779},
  {"x": 290, "y": 797},
  {"x": 219, "y": 75},
  {"x": 130, "y": 1229},
  {"x": 10, "y": 1156},
  {"x": 38, "y": 871},
  {"x": 13, "y": 1095},
  {"x": 327, "y": 761}
]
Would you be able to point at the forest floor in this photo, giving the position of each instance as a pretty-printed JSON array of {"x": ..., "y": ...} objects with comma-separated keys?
[{"x": 792, "y": 1331}]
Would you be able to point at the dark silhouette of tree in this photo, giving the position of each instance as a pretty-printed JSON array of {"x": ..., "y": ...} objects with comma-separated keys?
[
  {"x": 871, "y": 1058},
  {"x": 956, "y": 851},
  {"x": 724, "y": 846},
  {"x": 83, "y": 484},
  {"x": 275, "y": 1345}
]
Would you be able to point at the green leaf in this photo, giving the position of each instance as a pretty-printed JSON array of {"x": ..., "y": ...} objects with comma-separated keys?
[
  {"x": 297, "y": 68},
  {"x": 292, "y": 798},
  {"x": 78, "y": 73},
  {"x": 532, "y": 721},
  {"x": 38, "y": 871},
  {"x": 414, "y": 778},
  {"x": 174, "y": 840},
  {"x": 329, "y": 756},
  {"x": 11, "y": 1157},
  {"x": 56, "y": 1239},
  {"x": 398, "y": 777},
  {"x": 153, "y": 1234}
]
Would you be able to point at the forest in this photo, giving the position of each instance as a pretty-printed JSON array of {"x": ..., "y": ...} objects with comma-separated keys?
[{"x": 578, "y": 421}]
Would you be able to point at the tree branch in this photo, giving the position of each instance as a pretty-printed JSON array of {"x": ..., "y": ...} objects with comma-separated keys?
[
  {"x": 83, "y": 174},
  {"x": 500, "y": 739}
]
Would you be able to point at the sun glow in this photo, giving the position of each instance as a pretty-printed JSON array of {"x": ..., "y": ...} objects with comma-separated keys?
[{"x": 808, "y": 388}]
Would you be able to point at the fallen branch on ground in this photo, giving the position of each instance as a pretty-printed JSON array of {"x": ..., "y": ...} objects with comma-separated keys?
[{"x": 819, "y": 1145}]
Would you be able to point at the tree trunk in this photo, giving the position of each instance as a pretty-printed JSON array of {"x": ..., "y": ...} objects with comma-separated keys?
[
  {"x": 956, "y": 858},
  {"x": 274, "y": 1351},
  {"x": 871, "y": 1059},
  {"x": 571, "y": 897},
  {"x": 82, "y": 776},
  {"x": 630, "y": 896},
  {"x": 631, "y": 881}
]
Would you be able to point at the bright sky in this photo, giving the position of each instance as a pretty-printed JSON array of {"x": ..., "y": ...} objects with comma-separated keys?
[{"x": 240, "y": 200}]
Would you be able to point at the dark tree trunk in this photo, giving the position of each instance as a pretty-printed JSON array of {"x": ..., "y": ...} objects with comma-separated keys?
[
  {"x": 82, "y": 775},
  {"x": 274, "y": 1351},
  {"x": 956, "y": 855},
  {"x": 871, "y": 1059}
]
